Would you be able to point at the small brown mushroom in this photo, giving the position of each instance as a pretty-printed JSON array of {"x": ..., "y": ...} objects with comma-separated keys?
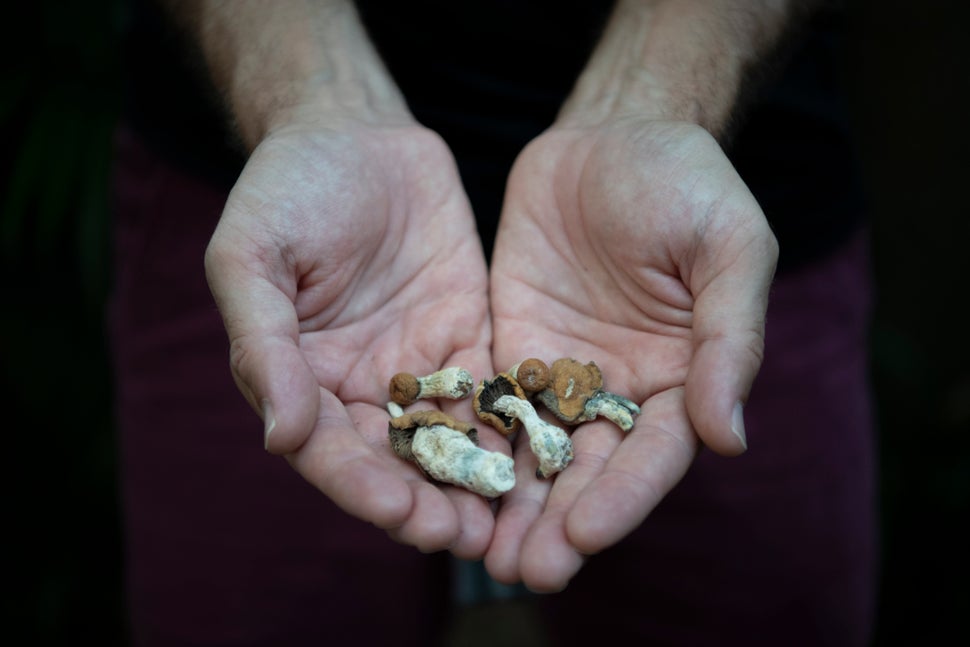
[
  {"x": 571, "y": 384},
  {"x": 453, "y": 382},
  {"x": 488, "y": 392},
  {"x": 575, "y": 394},
  {"x": 532, "y": 375}
]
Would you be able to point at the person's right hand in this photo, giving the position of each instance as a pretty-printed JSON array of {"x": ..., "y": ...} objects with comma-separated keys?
[{"x": 344, "y": 256}]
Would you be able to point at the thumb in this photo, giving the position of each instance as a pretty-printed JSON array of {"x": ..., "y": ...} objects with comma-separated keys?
[
  {"x": 728, "y": 345},
  {"x": 265, "y": 358}
]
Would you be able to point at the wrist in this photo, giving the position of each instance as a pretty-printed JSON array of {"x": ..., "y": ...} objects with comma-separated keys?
[
  {"x": 327, "y": 102},
  {"x": 283, "y": 63},
  {"x": 680, "y": 60}
]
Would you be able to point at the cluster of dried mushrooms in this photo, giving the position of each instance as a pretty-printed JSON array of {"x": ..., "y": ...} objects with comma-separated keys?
[{"x": 447, "y": 449}]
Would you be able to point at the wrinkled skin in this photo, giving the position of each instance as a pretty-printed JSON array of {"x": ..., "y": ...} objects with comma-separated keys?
[
  {"x": 633, "y": 244},
  {"x": 342, "y": 257}
]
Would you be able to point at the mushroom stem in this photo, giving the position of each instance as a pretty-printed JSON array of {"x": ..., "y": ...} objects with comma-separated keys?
[
  {"x": 450, "y": 456},
  {"x": 453, "y": 382},
  {"x": 550, "y": 444},
  {"x": 613, "y": 407}
]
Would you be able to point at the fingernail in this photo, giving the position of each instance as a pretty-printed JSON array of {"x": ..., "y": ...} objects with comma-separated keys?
[
  {"x": 737, "y": 424},
  {"x": 269, "y": 422}
]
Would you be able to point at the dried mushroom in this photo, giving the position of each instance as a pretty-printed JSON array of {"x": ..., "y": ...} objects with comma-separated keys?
[
  {"x": 615, "y": 408},
  {"x": 571, "y": 384},
  {"x": 447, "y": 450},
  {"x": 453, "y": 382},
  {"x": 450, "y": 456},
  {"x": 550, "y": 444},
  {"x": 401, "y": 429},
  {"x": 491, "y": 390},
  {"x": 575, "y": 394}
]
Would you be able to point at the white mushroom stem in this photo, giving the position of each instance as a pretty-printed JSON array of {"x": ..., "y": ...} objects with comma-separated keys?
[
  {"x": 451, "y": 457},
  {"x": 613, "y": 407},
  {"x": 453, "y": 382},
  {"x": 550, "y": 444},
  {"x": 395, "y": 409}
]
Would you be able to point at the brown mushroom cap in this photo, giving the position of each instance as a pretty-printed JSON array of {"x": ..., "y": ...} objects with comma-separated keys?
[
  {"x": 571, "y": 384},
  {"x": 400, "y": 430},
  {"x": 488, "y": 392},
  {"x": 404, "y": 389},
  {"x": 532, "y": 375}
]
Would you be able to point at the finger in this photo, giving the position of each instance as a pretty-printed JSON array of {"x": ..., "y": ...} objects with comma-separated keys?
[
  {"x": 475, "y": 523},
  {"x": 728, "y": 343},
  {"x": 265, "y": 358},
  {"x": 649, "y": 462},
  {"x": 432, "y": 524},
  {"x": 518, "y": 510},
  {"x": 340, "y": 463},
  {"x": 548, "y": 558}
]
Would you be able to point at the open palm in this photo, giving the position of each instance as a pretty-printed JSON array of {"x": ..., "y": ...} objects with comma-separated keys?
[
  {"x": 634, "y": 245},
  {"x": 343, "y": 257}
]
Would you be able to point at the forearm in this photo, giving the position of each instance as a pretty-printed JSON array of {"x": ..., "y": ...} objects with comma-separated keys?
[
  {"x": 684, "y": 60},
  {"x": 276, "y": 61}
]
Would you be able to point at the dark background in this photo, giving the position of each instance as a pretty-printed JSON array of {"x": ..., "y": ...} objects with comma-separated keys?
[{"x": 908, "y": 71}]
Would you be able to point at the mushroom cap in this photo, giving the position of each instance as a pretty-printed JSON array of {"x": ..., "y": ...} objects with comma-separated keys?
[
  {"x": 400, "y": 430},
  {"x": 571, "y": 384},
  {"x": 404, "y": 389},
  {"x": 488, "y": 392},
  {"x": 430, "y": 418},
  {"x": 532, "y": 374}
]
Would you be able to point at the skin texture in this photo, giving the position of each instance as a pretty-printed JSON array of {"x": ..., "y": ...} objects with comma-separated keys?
[{"x": 347, "y": 252}]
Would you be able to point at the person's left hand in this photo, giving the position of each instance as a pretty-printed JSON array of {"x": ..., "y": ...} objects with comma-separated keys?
[{"x": 634, "y": 245}]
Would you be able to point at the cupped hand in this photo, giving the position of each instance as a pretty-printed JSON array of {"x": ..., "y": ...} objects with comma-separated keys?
[
  {"x": 344, "y": 256},
  {"x": 633, "y": 244}
]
